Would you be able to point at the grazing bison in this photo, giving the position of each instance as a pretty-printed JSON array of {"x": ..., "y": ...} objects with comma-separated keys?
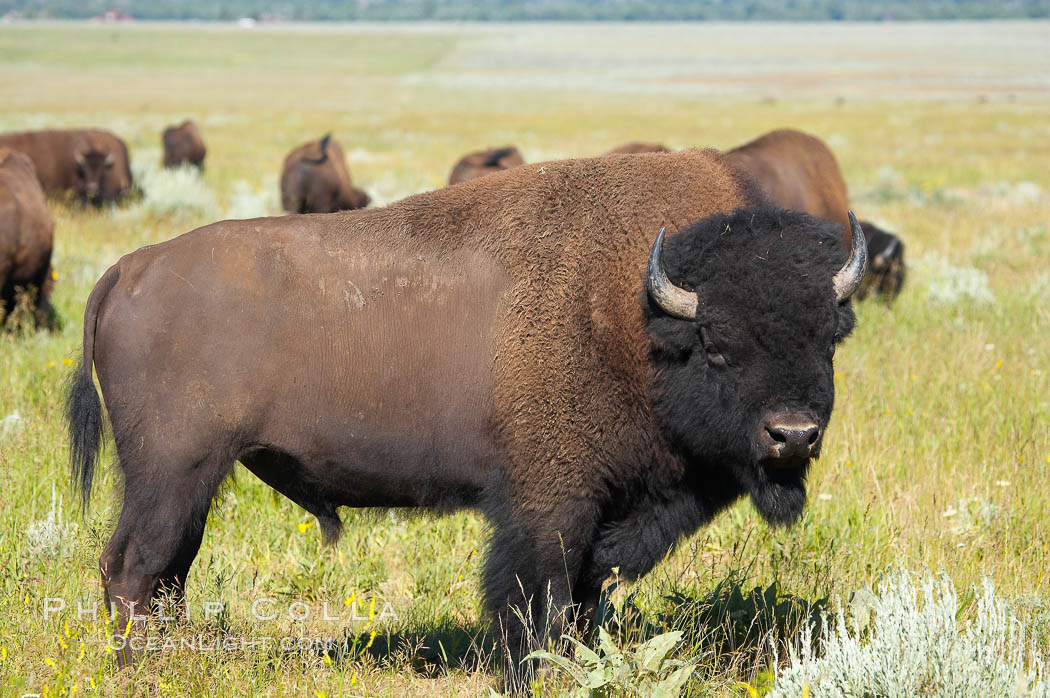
[
  {"x": 183, "y": 144},
  {"x": 518, "y": 344},
  {"x": 314, "y": 179},
  {"x": 91, "y": 163},
  {"x": 26, "y": 232},
  {"x": 797, "y": 171},
  {"x": 886, "y": 269},
  {"x": 483, "y": 162},
  {"x": 635, "y": 148}
]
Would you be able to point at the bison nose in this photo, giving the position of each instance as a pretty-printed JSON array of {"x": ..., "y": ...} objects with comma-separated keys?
[{"x": 789, "y": 437}]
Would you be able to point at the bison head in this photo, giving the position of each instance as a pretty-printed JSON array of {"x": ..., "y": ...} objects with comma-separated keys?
[
  {"x": 101, "y": 176},
  {"x": 742, "y": 342}
]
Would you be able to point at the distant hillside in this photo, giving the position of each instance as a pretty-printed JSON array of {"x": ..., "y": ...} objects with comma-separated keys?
[{"x": 510, "y": 10}]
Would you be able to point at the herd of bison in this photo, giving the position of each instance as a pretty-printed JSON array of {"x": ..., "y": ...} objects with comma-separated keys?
[
  {"x": 796, "y": 171},
  {"x": 525, "y": 342}
]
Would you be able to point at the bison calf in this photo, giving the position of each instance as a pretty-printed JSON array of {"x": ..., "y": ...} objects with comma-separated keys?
[
  {"x": 483, "y": 162},
  {"x": 635, "y": 148},
  {"x": 315, "y": 179},
  {"x": 26, "y": 232},
  {"x": 91, "y": 163},
  {"x": 183, "y": 144}
]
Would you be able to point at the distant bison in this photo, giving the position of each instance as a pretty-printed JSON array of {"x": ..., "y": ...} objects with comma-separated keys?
[
  {"x": 886, "y": 269},
  {"x": 91, "y": 163},
  {"x": 797, "y": 171},
  {"x": 635, "y": 148},
  {"x": 315, "y": 179},
  {"x": 526, "y": 344},
  {"x": 483, "y": 162},
  {"x": 25, "y": 237},
  {"x": 183, "y": 144}
]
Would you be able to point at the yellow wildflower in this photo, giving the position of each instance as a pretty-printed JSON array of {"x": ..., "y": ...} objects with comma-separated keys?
[
  {"x": 54, "y": 275},
  {"x": 67, "y": 362},
  {"x": 304, "y": 526}
]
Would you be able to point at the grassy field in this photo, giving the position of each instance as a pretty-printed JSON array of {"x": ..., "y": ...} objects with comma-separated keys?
[{"x": 937, "y": 458}]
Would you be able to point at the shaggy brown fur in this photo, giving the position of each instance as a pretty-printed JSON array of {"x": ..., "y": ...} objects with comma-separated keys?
[
  {"x": 635, "y": 148},
  {"x": 183, "y": 144},
  {"x": 486, "y": 345},
  {"x": 92, "y": 163},
  {"x": 315, "y": 179},
  {"x": 483, "y": 162},
  {"x": 26, "y": 231}
]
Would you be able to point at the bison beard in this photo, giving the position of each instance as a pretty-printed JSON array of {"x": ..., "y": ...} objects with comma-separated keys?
[{"x": 489, "y": 345}]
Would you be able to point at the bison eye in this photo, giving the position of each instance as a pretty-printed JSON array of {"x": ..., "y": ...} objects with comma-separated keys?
[{"x": 714, "y": 356}]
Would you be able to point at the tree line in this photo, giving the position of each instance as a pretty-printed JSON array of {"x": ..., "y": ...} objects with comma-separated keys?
[{"x": 538, "y": 10}]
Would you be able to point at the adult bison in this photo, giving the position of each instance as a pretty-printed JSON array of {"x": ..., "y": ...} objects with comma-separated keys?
[
  {"x": 886, "y": 270},
  {"x": 503, "y": 344},
  {"x": 314, "y": 179},
  {"x": 26, "y": 232},
  {"x": 797, "y": 171},
  {"x": 483, "y": 162},
  {"x": 635, "y": 148},
  {"x": 91, "y": 163},
  {"x": 183, "y": 144}
]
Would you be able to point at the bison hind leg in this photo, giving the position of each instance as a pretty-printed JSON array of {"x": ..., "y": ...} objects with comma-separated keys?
[{"x": 286, "y": 474}]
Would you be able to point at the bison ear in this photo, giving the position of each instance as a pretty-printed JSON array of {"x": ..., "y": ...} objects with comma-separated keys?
[{"x": 669, "y": 339}]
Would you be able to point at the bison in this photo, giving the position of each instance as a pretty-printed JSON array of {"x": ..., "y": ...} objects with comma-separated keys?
[
  {"x": 26, "y": 231},
  {"x": 91, "y": 163},
  {"x": 797, "y": 171},
  {"x": 315, "y": 179},
  {"x": 886, "y": 269},
  {"x": 483, "y": 162},
  {"x": 635, "y": 148},
  {"x": 517, "y": 344},
  {"x": 183, "y": 144}
]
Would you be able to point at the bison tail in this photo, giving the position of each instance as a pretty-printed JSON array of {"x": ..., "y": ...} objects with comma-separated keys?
[{"x": 83, "y": 407}]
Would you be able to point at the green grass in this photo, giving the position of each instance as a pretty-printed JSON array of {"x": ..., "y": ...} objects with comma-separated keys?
[{"x": 938, "y": 455}]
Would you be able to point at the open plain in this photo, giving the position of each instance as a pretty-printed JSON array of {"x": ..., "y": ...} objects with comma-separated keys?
[{"x": 937, "y": 460}]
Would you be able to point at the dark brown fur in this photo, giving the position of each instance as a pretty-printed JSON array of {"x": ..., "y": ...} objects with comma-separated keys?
[
  {"x": 26, "y": 231},
  {"x": 486, "y": 345},
  {"x": 483, "y": 162},
  {"x": 183, "y": 144},
  {"x": 635, "y": 148},
  {"x": 91, "y": 163},
  {"x": 315, "y": 179}
]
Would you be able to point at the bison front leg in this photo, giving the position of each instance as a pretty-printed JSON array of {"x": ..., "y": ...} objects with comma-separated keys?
[
  {"x": 156, "y": 539},
  {"x": 534, "y": 563}
]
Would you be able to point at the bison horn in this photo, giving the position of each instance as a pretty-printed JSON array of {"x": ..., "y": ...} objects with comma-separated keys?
[
  {"x": 848, "y": 278},
  {"x": 79, "y": 158},
  {"x": 672, "y": 299},
  {"x": 111, "y": 159}
]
